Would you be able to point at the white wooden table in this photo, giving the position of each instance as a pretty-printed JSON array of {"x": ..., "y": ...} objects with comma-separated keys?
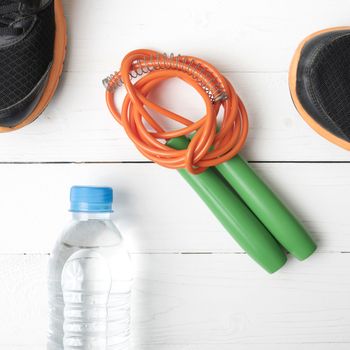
[{"x": 194, "y": 288}]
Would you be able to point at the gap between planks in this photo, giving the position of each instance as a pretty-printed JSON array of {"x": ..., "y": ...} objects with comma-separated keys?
[
  {"x": 175, "y": 253},
  {"x": 149, "y": 162}
]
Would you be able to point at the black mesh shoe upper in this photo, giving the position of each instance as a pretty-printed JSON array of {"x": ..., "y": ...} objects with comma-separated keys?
[
  {"x": 26, "y": 53},
  {"x": 323, "y": 81}
]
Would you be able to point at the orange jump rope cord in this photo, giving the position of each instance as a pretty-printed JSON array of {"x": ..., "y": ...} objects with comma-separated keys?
[{"x": 209, "y": 146}]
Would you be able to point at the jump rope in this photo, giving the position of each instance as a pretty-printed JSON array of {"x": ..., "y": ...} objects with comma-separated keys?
[{"x": 207, "y": 154}]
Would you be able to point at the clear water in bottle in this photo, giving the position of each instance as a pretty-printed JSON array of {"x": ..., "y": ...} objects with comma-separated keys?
[{"x": 90, "y": 276}]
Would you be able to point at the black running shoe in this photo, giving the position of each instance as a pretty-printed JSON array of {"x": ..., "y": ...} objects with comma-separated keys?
[
  {"x": 319, "y": 82},
  {"x": 32, "y": 51}
]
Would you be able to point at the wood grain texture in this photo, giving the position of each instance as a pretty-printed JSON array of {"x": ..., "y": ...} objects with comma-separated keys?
[
  {"x": 317, "y": 346},
  {"x": 157, "y": 211},
  {"x": 252, "y": 41},
  {"x": 194, "y": 289},
  {"x": 239, "y": 36},
  {"x": 190, "y": 301},
  {"x": 77, "y": 127}
]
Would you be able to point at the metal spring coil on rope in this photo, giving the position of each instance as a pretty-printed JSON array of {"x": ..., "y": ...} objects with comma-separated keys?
[{"x": 140, "y": 72}]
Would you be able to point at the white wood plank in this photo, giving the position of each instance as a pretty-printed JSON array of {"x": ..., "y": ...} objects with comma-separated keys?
[
  {"x": 78, "y": 127},
  {"x": 157, "y": 211},
  {"x": 182, "y": 301},
  {"x": 335, "y": 346},
  {"x": 24, "y": 347},
  {"x": 238, "y": 35},
  {"x": 190, "y": 301},
  {"x": 319, "y": 346},
  {"x": 23, "y": 300}
]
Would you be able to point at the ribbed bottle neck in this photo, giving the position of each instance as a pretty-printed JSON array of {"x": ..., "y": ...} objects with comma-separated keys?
[{"x": 82, "y": 216}]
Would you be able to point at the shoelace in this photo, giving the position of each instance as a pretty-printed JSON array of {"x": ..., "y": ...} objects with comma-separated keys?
[{"x": 10, "y": 16}]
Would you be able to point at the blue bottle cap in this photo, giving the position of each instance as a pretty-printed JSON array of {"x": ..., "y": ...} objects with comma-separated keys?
[{"x": 87, "y": 199}]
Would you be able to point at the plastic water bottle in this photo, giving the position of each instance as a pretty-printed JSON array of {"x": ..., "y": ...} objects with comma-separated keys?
[{"x": 90, "y": 277}]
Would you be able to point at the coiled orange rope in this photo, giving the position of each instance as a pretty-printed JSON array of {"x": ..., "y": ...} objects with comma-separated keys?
[{"x": 210, "y": 145}]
